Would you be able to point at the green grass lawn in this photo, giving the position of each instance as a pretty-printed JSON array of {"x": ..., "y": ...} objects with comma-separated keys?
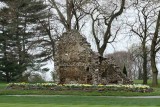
[
  {"x": 75, "y": 101},
  {"x": 83, "y": 99}
]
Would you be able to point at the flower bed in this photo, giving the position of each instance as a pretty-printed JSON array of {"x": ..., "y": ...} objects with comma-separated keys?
[{"x": 85, "y": 87}]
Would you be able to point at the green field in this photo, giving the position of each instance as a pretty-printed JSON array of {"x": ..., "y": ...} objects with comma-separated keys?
[
  {"x": 75, "y": 101},
  {"x": 76, "y": 98}
]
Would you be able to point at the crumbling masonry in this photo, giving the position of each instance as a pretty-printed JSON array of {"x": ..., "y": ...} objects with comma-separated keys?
[{"x": 75, "y": 62}]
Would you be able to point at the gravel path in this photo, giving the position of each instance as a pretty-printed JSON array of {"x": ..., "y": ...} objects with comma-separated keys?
[
  {"x": 86, "y": 96},
  {"x": 140, "y": 97}
]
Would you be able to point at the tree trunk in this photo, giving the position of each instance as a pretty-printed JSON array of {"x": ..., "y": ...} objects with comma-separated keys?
[
  {"x": 8, "y": 77},
  {"x": 153, "y": 63},
  {"x": 140, "y": 74},
  {"x": 153, "y": 53},
  {"x": 144, "y": 64},
  {"x": 154, "y": 79},
  {"x": 101, "y": 50}
]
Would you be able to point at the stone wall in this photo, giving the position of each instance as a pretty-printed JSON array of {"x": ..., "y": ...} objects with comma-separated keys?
[
  {"x": 75, "y": 62},
  {"x": 73, "y": 56}
]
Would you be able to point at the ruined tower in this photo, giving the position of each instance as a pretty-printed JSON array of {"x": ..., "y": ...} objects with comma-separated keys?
[{"x": 75, "y": 62}]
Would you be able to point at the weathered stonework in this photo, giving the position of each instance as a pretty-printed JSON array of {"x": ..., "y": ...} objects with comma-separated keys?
[{"x": 75, "y": 62}]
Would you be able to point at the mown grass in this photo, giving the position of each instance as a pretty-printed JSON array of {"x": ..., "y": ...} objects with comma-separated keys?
[
  {"x": 75, "y": 101},
  {"x": 75, "y": 98},
  {"x": 80, "y": 93}
]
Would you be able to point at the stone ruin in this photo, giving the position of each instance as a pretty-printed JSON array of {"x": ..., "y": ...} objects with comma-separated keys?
[{"x": 75, "y": 62}]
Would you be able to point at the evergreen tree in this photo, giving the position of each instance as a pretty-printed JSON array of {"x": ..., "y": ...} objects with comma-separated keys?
[
  {"x": 18, "y": 27},
  {"x": 8, "y": 66}
]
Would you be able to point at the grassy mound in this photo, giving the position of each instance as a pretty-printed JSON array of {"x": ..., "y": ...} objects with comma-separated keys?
[{"x": 82, "y": 87}]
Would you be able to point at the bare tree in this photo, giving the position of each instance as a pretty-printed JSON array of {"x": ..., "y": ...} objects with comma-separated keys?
[
  {"x": 137, "y": 57},
  {"x": 142, "y": 28},
  {"x": 102, "y": 20},
  {"x": 68, "y": 13}
]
